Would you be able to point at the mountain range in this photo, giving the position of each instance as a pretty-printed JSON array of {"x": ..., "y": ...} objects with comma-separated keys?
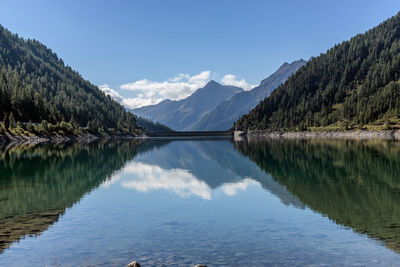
[
  {"x": 227, "y": 112},
  {"x": 183, "y": 114},
  {"x": 215, "y": 106},
  {"x": 355, "y": 83}
]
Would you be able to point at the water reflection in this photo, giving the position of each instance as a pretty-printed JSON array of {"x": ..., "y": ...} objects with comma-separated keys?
[
  {"x": 354, "y": 183},
  {"x": 201, "y": 201},
  {"x": 196, "y": 168},
  {"x": 145, "y": 177},
  {"x": 152, "y": 177},
  {"x": 39, "y": 182},
  {"x": 232, "y": 189}
]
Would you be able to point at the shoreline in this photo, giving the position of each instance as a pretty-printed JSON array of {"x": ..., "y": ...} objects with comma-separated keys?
[
  {"x": 357, "y": 134},
  {"x": 34, "y": 140},
  {"x": 8, "y": 139}
]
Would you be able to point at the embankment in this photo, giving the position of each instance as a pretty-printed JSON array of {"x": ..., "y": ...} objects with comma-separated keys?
[{"x": 356, "y": 134}]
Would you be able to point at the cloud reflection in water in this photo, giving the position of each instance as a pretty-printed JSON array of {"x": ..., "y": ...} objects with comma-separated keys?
[{"x": 145, "y": 177}]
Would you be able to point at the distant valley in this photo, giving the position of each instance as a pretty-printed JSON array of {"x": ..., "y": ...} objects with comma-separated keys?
[
  {"x": 182, "y": 115},
  {"x": 215, "y": 106},
  {"x": 354, "y": 85}
]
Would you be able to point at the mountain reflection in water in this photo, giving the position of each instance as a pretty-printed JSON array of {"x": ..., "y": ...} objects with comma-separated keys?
[
  {"x": 195, "y": 169},
  {"x": 353, "y": 183}
]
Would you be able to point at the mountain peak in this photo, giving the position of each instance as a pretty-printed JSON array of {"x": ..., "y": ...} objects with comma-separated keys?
[
  {"x": 284, "y": 71},
  {"x": 226, "y": 113},
  {"x": 212, "y": 83},
  {"x": 294, "y": 63},
  {"x": 183, "y": 114}
]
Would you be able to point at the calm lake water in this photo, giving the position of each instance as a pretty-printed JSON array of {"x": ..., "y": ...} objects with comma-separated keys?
[{"x": 218, "y": 202}]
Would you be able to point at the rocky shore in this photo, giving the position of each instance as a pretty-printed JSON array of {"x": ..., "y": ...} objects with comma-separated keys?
[
  {"x": 357, "y": 134},
  {"x": 7, "y": 139}
]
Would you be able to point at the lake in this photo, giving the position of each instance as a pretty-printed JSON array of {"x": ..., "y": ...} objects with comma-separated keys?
[{"x": 256, "y": 202}]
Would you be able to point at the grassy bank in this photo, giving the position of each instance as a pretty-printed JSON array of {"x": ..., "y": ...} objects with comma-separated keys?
[{"x": 392, "y": 124}]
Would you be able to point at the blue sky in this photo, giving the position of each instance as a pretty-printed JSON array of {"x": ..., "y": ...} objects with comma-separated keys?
[{"x": 146, "y": 51}]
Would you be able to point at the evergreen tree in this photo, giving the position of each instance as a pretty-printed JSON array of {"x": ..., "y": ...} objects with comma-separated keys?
[
  {"x": 29, "y": 127},
  {"x": 73, "y": 122},
  {"x": 6, "y": 121},
  {"x": 11, "y": 120}
]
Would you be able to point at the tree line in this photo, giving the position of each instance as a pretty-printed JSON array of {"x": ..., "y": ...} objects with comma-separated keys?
[
  {"x": 36, "y": 86},
  {"x": 353, "y": 84}
]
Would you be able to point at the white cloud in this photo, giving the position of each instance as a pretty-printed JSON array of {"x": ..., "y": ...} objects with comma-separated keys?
[
  {"x": 231, "y": 189},
  {"x": 179, "y": 77},
  {"x": 147, "y": 92},
  {"x": 176, "y": 88},
  {"x": 114, "y": 94},
  {"x": 230, "y": 79},
  {"x": 128, "y": 102}
]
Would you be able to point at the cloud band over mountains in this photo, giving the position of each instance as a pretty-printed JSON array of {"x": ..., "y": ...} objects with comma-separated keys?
[{"x": 146, "y": 92}]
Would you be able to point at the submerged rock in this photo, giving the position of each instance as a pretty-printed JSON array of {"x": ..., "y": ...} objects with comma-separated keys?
[{"x": 133, "y": 264}]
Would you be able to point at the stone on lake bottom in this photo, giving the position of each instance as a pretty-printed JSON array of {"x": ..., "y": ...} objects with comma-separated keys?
[{"x": 133, "y": 264}]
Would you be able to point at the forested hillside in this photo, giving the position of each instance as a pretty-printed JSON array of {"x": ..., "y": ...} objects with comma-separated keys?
[
  {"x": 353, "y": 84},
  {"x": 151, "y": 126},
  {"x": 36, "y": 85}
]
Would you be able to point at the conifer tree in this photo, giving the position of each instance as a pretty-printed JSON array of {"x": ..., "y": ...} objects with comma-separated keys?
[
  {"x": 11, "y": 120},
  {"x": 6, "y": 121}
]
